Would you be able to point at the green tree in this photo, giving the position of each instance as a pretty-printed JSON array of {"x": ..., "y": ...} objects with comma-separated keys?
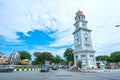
[
  {"x": 41, "y": 57},
  {"x": 71, "y": 63},
  {"x": 68, "y": 54},
  {"x": 24, "y": 55},
  {"x": 115, "y": 56},
  {"x": 64, "y": 62},
  {"x": 103, "y": 58},
  {"x": 58, "y": 59}
]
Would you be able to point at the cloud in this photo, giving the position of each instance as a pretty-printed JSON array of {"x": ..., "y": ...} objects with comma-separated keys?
[
  {"x": 53, "y": 50},
  {"x": 46, "y": 15}
]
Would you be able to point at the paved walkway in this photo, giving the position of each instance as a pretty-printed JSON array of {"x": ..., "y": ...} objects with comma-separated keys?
[{"x": 103, "y": 70}]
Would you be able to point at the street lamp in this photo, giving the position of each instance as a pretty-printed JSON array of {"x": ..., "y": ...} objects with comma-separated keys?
[{"x": 117, "y": 26}]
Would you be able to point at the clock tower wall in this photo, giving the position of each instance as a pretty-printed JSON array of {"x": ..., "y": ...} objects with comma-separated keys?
[
  {"x": 86, "y": 40},
  {"x": 83, "y": 42}
]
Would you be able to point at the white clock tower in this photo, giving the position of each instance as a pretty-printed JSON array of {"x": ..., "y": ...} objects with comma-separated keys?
[{"x": 83, "y": 44}]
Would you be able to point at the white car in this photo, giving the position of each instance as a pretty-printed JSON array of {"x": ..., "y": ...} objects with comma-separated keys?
[{"x": 7, "y": 68}]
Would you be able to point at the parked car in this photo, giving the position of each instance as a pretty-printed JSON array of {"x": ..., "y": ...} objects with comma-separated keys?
[
  {"x": 54, "y": 67},
  {"x": 66, "y": 66},
  {"x": 44, "y": 68},
  {"x": 7, "y": 68}
]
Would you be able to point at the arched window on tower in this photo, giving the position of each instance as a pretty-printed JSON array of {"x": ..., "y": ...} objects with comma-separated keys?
[
  {"x": 83, "y": 24},
  {"x": 77, "y": 41}
]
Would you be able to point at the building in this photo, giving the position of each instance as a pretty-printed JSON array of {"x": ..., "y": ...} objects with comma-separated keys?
[
  {"x": 83, "y": 44},
  {"x": 113, "y": 65},
  {"x": 14, "y": 58},
  {"x": 3, "y": 60}
]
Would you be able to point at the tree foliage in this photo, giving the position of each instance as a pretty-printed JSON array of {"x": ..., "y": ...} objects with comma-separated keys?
[
  {"x": 64, "y": 62},
  {"x": 68, "y": 54},
  {"x": 103, "y": 58},
  {"x": 24, "y": 55},
  {"x": 41, "y": 57},
  {"x": 58, "y": 59},
  {"x": 115, "y": 56},
  {"x": 71, "y": 63}
]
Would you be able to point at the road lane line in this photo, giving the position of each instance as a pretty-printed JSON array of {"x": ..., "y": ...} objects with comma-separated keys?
[{"x": 109, "y": 77}]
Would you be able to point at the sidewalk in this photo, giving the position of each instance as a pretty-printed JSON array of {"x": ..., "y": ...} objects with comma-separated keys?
[{"x": 101, "y": 70}]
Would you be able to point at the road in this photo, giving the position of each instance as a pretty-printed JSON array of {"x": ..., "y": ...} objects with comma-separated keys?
[{"x": 58, "y": 75}]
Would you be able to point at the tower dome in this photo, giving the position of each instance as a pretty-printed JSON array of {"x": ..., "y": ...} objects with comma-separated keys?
[{"x": 79, "y": 12}]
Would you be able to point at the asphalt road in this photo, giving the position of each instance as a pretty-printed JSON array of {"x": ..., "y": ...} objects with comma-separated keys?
[{"x": 58, "y": 75}]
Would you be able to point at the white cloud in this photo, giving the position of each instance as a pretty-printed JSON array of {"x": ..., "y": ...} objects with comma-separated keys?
[
  {"x": 63, "y": 39},
  {"x": 24, "y": 16},
  {"x": 53, "y": 50}
]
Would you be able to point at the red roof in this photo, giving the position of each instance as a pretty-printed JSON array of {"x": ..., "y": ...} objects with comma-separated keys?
[{"x": 5, "y": 59}]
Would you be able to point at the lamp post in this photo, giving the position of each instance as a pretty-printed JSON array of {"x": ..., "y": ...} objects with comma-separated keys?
[{"x": 117, "y": 26}]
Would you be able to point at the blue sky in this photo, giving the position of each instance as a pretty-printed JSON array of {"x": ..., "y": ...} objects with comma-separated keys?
[{"x": 47, "y": 25}]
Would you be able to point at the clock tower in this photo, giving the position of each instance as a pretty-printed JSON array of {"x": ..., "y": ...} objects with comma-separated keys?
[{"x": 83, "y": 44}]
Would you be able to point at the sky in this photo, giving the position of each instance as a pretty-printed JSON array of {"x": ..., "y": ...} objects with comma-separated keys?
[{"x": 47, "y": 25}]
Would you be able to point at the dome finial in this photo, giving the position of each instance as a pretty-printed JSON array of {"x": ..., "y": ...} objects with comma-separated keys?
[{"x": 79, "y": 12}]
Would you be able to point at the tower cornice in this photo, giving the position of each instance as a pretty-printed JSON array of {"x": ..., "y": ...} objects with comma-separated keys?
[
  {"x": 81, "y": 28},
  {"x": 79, "y": 21},
  {"x": 84, "y": 51}
]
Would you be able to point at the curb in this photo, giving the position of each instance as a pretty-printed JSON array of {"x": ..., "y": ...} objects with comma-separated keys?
[{"x": 25, "y": 69}]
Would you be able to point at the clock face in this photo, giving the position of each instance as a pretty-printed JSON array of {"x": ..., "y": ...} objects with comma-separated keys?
[{"x": 86, "y": 37}]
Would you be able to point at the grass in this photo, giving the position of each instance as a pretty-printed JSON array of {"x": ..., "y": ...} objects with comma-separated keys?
[{"x": 26, "y": 67}]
